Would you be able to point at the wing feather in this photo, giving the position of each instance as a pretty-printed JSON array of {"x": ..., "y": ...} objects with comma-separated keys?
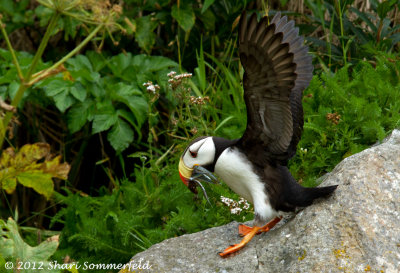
[{"x": 277, "y": 69}]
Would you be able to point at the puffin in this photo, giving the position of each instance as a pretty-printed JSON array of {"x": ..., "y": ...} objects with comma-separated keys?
[{"x": 277, "y": 68}]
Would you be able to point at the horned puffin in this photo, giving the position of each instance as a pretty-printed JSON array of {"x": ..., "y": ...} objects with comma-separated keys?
[{"x": 277, "y": 69}]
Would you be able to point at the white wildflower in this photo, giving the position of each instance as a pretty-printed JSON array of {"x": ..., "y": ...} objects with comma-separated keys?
[
  {"x": 182, "y": 76},
  {"x": 171, "y": 74},
  {"x": 236, "y": 207},
  {"x": 151, "y": 88},
  {"x": 236, "y": 210}
]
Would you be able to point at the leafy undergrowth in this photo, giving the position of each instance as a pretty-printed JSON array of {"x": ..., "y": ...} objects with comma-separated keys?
[
  {"x": 113, "y": 227},
  {"x": 346, "y": 113}
]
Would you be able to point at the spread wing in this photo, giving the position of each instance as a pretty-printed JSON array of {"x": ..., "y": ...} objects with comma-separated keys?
[{"x": 277, "y": 70}]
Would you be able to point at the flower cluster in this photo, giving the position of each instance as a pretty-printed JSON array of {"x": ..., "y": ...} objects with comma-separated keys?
[
  {"x": 333, "y": 117},
  {"x": 199, "y": 100},
  {"x": 235, "y": 206},
  {"x": 151, "y": 88},
  {"x": 176, "y": 80},
  {"x": 194, "y": 130},
  {"x": 102, "y": 8}
]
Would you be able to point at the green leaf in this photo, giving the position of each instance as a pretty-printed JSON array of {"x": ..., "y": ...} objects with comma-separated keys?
[
  {"x": 208, "y": 19},
  {"x": 124, "y": 90},
  {"x": 130, "y": 117},
  {"x": 128, "y": 95},
  {"x": 184, "y": 15},
  {"x": 44, "y": 14},
  {"x": 13, "y": 247},
  {"x": 28, "y": 168},
  {"x": 7, "y": 6},
  {"x": 206, "y": 5},
  {"x": 158, "y": 63},
  {"x": 70, "y": 27},
  {"x": 59, "y": 90},
  {"x": 138, "y": 106},
  {"x": 96, "y": 90},
  {"x": 384, "y": 7},
  {"x": 283, "y": 2},
  {"x": 365, "y": 18},
  {"x": 145, "y": 35},
  {"x": 139, "y": 61},
  {"x": 37, "y": 180},
  {"x": 119, "y": 63},
  {"x": 78, "y": 115},
  {"x": 80, "y": 62},
  {"x": 9, "y": 184},
  {"x": 120, "y": 136},
  {"x": 97, "y": 60},
  {"x": 78, "y": 91},
  {"x": 2, "y": 261},
  {"x": 13, "y": 89},
  {"x": 103, "y": 122},
  {"x": 24, "y": 166},
  {"x": 63, "y": 101},
  {"x": 54, "y": 86}
]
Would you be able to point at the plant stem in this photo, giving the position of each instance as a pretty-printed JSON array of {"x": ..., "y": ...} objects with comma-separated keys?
[
  {"x": 24, "y": 80},
  {"x": 28, "y": 81},
  {"x": 378, "y": 34},
  {"x": 179, "y": 52},
  {"x": 342, "y": 33},
  {"x": 11, "y": 49},
  {"x": 39, "y": 52},
  {"x": 69, "y": 55},
  {"x": 330, "y": 37}
]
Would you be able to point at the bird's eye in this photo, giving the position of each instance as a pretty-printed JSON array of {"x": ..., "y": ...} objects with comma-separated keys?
[{"x": 193, "y": 154}]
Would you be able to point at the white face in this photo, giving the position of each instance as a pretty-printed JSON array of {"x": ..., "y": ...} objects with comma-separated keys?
[{"x": 201, "y": 152}]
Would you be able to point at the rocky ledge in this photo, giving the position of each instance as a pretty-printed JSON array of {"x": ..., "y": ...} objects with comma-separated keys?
[{"x": 357, "y": 229}]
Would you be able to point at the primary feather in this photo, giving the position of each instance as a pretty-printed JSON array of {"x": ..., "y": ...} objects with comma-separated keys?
[{"x": 277, "y": 70}]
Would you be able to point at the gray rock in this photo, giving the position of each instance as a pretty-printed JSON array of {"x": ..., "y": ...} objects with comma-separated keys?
[{"x": 357, "y": 229}]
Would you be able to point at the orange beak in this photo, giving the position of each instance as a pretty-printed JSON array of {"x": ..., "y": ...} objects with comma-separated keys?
[{"x": 184, "y": 172}]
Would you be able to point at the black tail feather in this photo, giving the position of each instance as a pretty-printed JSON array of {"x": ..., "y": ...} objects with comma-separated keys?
[{"x": 308, "y": 195}]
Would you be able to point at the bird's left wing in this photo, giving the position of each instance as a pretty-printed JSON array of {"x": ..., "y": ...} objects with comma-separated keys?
[{"x": 277, "y": 69}]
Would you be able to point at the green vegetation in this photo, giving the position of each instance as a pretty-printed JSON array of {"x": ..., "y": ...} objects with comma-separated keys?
[
  {"x": 108, "y": 88},
  {"x": 345, "y": 113}
]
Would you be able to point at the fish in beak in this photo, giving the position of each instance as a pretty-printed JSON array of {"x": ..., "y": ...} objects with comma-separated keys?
[{"x": 192, "y": 177}]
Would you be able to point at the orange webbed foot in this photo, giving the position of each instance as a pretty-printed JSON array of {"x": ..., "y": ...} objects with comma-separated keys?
[
  {"x": 247, "y": 238},
  {"x": 229, "y": 250},
  {"x": 244, "y": 230},
  {"x": 248, "y": 233}
]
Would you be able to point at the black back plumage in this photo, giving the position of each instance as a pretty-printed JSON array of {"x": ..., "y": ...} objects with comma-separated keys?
[{"x": 277, "y": 70}]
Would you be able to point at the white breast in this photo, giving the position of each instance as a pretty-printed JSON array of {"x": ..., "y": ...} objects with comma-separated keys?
[{"x": 236, "y": 171}]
